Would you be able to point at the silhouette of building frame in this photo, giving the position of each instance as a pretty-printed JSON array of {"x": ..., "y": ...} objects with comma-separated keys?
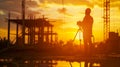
[{"x": 43, "y": 35}]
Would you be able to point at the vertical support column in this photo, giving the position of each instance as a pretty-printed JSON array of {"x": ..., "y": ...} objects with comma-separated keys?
[
  {"x": 23, "y": 21},
  {"x": 34, "y": 35},
  {"x": 39, "y": 34},
  {"x": 28, "y": 36},
  {"x": 47, "y": 35},
  {"x": 51, "y": 35},
  {"x": 86, "y": 64},
  {"x": 31, "y": 35},
  {"x": 17, "y": 34},
  {"x": 56, "y": 37},
  {"x": 8, "y": 28},
  {"x": 42, "y": 32}
]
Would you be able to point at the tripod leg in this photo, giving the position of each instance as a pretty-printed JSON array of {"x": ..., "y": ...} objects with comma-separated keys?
[{"x": 76, "y": 34}]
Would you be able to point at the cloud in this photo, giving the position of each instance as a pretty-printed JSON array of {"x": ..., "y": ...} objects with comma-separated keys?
[
  {"x": 32, "y": 3},
  {"x": 2, "y": 12},
  {"x": 73, "y": 2},
  {"x": 10, "y": 5},
  {"x": 115, "y": 3},
  {"x": 13, "y": 6},
  {"x": 89, "y": 3},
  {"x": 64, "y": 11}
]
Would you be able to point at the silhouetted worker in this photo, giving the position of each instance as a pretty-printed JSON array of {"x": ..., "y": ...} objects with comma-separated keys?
[{"x": 86, "y": 25}]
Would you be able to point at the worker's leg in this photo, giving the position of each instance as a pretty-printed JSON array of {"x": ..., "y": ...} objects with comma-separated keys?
[
  {"x": 85, "y": 45},
  {"x": 90, "y": 46}
]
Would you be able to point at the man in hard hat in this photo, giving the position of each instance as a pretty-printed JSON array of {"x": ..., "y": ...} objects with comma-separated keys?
[{"x": 86, "y": 25}]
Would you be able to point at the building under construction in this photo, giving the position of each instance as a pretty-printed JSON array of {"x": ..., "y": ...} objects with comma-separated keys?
[
  {"x": 34, "y": 31},
  {"x": 37, "y": 31}
]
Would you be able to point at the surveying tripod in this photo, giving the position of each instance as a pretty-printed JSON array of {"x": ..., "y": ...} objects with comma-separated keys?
[{"x": 78, "y": 32}]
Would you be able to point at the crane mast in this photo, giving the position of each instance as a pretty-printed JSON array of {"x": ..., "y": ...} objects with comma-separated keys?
[{"x": 106, "y": 19}]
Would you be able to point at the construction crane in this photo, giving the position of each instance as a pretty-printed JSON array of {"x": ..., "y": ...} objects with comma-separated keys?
[{"x": 106, "y": 19}]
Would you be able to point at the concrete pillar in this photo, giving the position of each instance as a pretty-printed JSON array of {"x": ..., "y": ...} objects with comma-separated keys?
[
  {"x": 8, "y": 28},
  {"x": 51, "y": 35},
  {"x": 31, "y": 35},
  {"x": 23, "y": 21},
  {"x": 34, "y": 35},
  {"x": 86, "y": 64},
  {"x": 17, "y": 26},
  {"x": 39, "y": 35},
  {"x": 47, "y": 35},
  {"x": 42, "y": 32},
  {"x": 28, "y": 36}
]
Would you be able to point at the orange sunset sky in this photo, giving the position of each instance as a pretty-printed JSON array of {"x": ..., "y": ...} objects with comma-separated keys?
[{"x": 65, "y": 12}]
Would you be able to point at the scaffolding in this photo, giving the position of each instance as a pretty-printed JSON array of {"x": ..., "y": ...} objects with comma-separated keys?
[
  {"x": 37, "y": 31},
  {"x": 44, "y": 35}
]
